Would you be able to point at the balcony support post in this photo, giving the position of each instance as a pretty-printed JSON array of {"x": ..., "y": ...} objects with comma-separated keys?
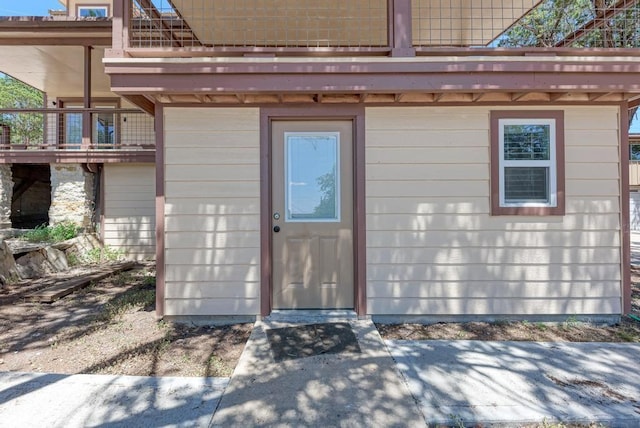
[
  {"x": 400, "y": 31},
  {"x": 120, "y": 26},
  {"x": 86, "y": 114}
]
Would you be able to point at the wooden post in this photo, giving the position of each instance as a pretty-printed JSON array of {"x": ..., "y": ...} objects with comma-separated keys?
[
  {"x": 400, "y": 31},
  {"x": 86, "y": 115}
]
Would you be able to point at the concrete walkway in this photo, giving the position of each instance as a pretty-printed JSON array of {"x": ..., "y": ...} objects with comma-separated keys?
[
  {"x": 516, "y": 383},
  {"x": 65, "y": 401},
  {"x": 388, "y": 384},
  {"x": 330, "y": 390}
]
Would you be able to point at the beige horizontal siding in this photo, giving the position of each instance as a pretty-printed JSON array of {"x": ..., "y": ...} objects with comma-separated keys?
[
  {"x": 478, "y": 205},
  {"x": 588, "y": 136},
  {"x": 212, "y": 206},
  {"x": 501, "y": 256},
  {"x": 434, "y": 249},
  {"x": 211, "y": 189},
  {"x": 491, "y": 289},
  {"x": 208, "y": 307},
  {"x": 200, "y": 240},
  {"x": 218, "y": 290},
  {"x": 499, "y": 306},
  {"x": 476, "y": 222},
  {"x": 426, "y": 138},
  {"x": 408, "y": 155},
  {"x": 488, "y": 239},
  {"x": 129, "y": 209}
]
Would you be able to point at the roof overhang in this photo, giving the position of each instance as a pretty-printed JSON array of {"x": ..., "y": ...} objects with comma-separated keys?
[
  {"x": 48, "y": 53},
  {"x": 481, "y": 79}
]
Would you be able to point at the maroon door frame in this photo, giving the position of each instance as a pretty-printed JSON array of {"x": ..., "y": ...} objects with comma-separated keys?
[{"x": 354, "y": 113}]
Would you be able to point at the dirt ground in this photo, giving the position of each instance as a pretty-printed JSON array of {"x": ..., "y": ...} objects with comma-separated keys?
[{"x": 110, "y": 328}]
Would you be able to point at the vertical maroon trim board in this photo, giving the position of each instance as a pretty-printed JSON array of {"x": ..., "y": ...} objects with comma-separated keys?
[
  {"x": 265, "y": 214},
  {"x": 625, "y": 215},
  {"x": 160, "y": 201}
]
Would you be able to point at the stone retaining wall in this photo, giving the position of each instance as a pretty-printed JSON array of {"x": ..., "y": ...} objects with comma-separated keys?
[{"x": 71, "y": 195}]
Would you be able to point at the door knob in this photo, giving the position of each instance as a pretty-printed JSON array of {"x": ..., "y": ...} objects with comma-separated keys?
[{"x": 276, "y": 229}]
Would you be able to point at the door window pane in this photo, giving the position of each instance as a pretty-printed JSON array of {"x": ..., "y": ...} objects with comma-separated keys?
[{"x": 312, "y": 182}]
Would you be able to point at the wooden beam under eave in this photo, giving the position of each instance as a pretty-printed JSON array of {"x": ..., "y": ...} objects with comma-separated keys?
[
  {"x": 185, "y": 98},
  {"x": 477, "y": 96},
  {"x": 413, "y": 97},
  {"x": 261, "y": 98},
  {"x": 599, "y": 96},
  {"x": 535, "y": 96},
  {"x": 143, "y": 102},
  {"x": 341, "y": 98},
  {"x": 379, "y": 98},
  {"x": 224, "y": 99},
  {"x": 297, "y": 98},
  {"x": 557, "y": 96},
  {"x": 455, "y": 97}
]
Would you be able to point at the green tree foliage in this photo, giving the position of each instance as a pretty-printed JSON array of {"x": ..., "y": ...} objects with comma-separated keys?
[
  {"x": 26, "y": 128},
  {"x": 553, "y": 20}
]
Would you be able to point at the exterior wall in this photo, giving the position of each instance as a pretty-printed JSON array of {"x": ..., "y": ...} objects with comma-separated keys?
[
  {"x": 129, "y": 209},
  {"x": 71, "y": 195},
  {"x": 212, "y": 207},
  {"x": 432, "y": 247}
]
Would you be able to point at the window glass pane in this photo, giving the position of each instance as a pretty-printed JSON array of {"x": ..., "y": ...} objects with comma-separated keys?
[
  {"x": 529, "y": 184},
  {"x": 103, "y": 128},
  {"x": 527, "y": 142},
  {"x": 312, "y": 181},
  {"x": 634, "y": 152},
  {"x": 92, "y": 12},
  {"x": 73, "y": 130}
]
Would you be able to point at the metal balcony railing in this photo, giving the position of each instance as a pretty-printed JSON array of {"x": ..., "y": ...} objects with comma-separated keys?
[
  {"x": 258, "y": 23},
  {"x": 372, "y": 25},
  {"x": 63, "y": 129}
]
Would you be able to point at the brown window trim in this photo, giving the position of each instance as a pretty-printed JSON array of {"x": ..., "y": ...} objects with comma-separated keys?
[{"x": 558, "y": 116}]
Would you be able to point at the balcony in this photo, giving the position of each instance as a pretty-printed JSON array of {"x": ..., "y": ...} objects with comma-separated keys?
[
  {"x": 76, "y": 135},
  {"x": 370, "y": 27}
]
